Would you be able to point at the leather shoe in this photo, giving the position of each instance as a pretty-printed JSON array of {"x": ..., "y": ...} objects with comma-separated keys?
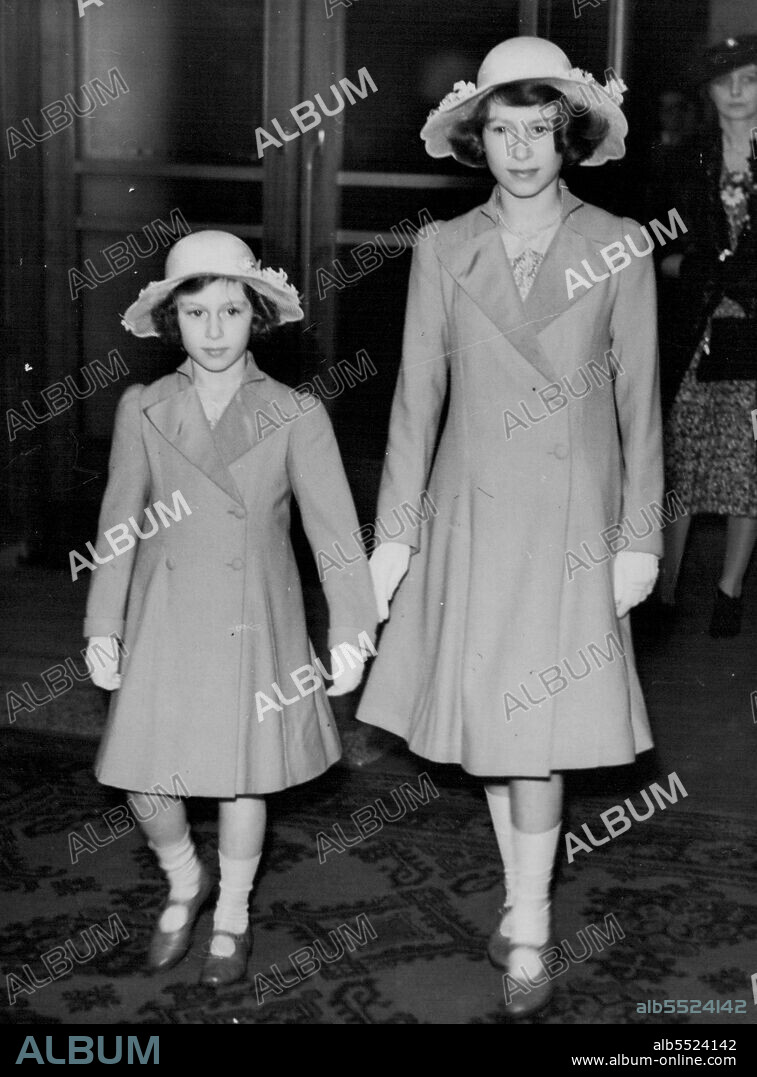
[
  {"x": 534, "y": 995},
  {"x": 167, "y": 948},
  {"x": 219, "y": 969},
  {"x": 498, "y": 947}
]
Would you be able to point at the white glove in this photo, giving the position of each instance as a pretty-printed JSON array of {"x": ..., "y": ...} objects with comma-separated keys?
[
  {"x": 351, "y": 672},
  {"x": 388, "y": 564},
  {"x": 634, "y": 575},
  {"x": 103, "y": 667}
]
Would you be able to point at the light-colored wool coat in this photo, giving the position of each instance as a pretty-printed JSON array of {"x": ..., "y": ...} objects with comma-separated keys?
[
  {"x": 487, "y": 606},
  {"x": 210, "y": 608}
]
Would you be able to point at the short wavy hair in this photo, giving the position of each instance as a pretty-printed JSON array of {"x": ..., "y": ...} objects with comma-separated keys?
[
  {"x": 165, "y": 315},
  {"x": 575, "y": 142}
]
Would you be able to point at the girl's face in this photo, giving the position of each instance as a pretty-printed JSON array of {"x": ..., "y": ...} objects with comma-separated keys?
[
  {"x": 215, "y": 324},
  {"x": 520, "y": 149},
  {"x": 735, "y": 93}
]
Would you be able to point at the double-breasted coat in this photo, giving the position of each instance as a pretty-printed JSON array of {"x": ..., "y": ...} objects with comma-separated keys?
[
  {"x": 540, "y": 453},
  {"x": 210, "y": 607}
]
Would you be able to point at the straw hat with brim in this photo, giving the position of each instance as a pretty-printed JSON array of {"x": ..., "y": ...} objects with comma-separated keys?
[
  {"x": 212, "y": 254},
  {"x": 724, "y": 57},
  {"x": 537, "y": 60}
]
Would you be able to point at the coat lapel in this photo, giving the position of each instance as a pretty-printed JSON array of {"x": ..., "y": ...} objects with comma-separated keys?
[
  {"x": 570, "y": 248},
  {"x": 479, "y": 264},
  {"x": 243, "y": 424},
  {"x": 181, "y": 420}
]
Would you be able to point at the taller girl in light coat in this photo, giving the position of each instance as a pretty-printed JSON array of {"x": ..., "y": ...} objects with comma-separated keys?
[{"x": 508, "y": 649}]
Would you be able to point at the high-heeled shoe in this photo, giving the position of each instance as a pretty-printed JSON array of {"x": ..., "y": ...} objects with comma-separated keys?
[
  {"x": 536, "y": 995},
  {"x": 726, "y": 616},
  {"x": 498, "y": 947},
  {"x": 167, "y": 948},
  {"x": 221, "y": 969}
]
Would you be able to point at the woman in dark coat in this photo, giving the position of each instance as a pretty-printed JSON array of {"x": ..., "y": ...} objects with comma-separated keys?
[
  {"x": 485, "y": 660},
  {"x": 219, "y": 685},
  {"x": 709, "y": 436}
]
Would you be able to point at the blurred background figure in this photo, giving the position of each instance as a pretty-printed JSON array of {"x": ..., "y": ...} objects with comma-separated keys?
[
  {"x": 667, "y": 167},
  {"x": 677, "y": 117},
  {"x": 710, "y": 445}
]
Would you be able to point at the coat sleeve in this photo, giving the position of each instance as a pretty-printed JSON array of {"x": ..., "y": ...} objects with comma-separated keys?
[
  {"x": 418, "y": 399},
  {"x": 637, "y": 393},
  {"x": 126, "y": 495},
  {"x": 328, "y": 515}
]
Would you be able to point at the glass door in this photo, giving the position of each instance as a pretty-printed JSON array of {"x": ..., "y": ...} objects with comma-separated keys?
[
  {"x": 167, "y": 99},
  {"x": 174, "y": 152},
  {"x": 386, "y": 191}
]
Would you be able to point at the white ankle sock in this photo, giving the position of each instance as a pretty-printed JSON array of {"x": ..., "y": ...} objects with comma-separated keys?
[
  {"x": 231, "y": 911},
  {"x": 499, "y": 808},
  {"x": 534, "y": 859},
  {"x": 179, "y": 862}
]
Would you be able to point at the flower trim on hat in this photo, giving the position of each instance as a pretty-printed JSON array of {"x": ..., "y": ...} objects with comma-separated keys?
[
  {"x": 277, "y": 277},
  {"x": 461, "y": 91},
  {"x": 614, "y": 87},
  {"x": 577, "y": 74}
]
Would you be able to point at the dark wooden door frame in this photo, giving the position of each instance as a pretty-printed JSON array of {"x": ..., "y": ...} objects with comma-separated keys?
[{"x": 23, "y": 452}]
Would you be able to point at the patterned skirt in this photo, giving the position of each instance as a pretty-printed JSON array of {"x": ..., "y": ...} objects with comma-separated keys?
[{"x": 710, "y": 447}]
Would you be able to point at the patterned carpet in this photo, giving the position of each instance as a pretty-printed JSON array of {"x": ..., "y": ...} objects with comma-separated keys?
[{"x": 418, "y": 897}]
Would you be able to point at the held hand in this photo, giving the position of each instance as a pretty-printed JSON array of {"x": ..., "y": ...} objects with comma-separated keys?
[
  {"x": 102, "y": 660},
  {"x": 349, "y": 663},
  {"x": 634, "y": 576},
  {"x": 388, "y": 564}
]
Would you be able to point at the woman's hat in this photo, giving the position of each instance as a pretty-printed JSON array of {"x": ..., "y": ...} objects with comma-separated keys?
[
  {"x": 726, "y": 56},
  {"x": 532, "y": 58},
  {"x": 216, "y": 254}
]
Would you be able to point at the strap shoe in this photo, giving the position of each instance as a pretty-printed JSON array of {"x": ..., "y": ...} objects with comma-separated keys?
[{"x": 167, "y": 948}]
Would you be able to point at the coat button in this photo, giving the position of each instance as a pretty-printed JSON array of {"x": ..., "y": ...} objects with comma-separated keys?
[
  {"x": 236, "y": 564},
  {"x": 237, "y": 511},
  {"x": 170, "y": 563},
  {"x": 560, "y": 451}
]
